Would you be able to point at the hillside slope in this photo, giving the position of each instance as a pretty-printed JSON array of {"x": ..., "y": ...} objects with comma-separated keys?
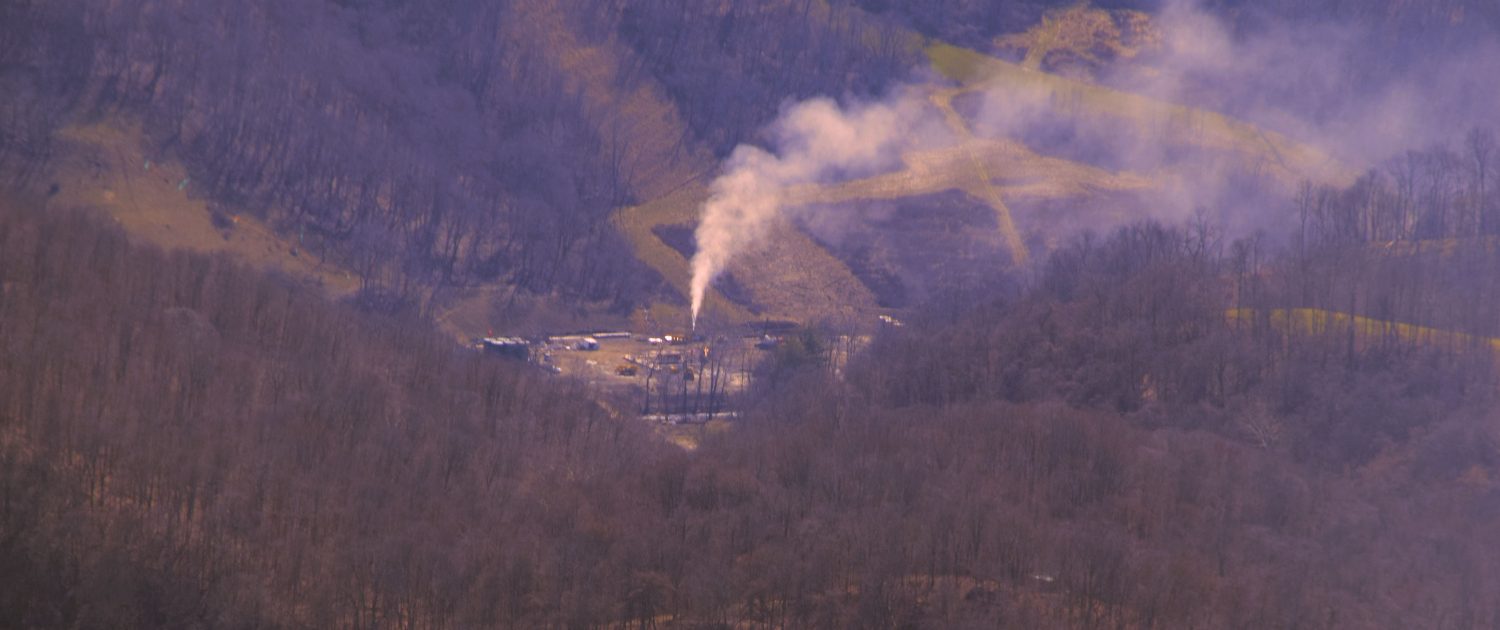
[{"x": 103, "y": 167}]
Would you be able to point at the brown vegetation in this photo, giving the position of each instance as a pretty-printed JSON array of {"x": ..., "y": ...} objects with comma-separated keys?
[
  {"x": 190, "y": 441},
  {"x": 187, "y": 442}
]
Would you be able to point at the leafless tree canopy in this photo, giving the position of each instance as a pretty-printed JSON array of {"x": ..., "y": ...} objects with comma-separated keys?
[{"x": 1158, "y": 427}]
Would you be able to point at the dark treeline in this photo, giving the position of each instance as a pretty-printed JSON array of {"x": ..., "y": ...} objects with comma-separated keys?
[
  {"x": 189, "y": 443},
  {"x": 730, "y": 66},
  {"x": 44, "y": 59},
  {"x": 1404, "y": 25},
  {"x": 1433, "y": 194},
  {"x": 1417, "y": 240}
]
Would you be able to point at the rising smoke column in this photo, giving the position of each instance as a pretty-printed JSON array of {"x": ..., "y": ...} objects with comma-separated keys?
[
  {"x": 1300, "y": 78},
  {"x": 816, "y": 140},
  {"x": 742, "y": 203}
]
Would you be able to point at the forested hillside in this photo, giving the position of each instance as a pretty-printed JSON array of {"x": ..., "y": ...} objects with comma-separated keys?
[
  {"x": 437, "y": 145},
  {"x": 367, "y": 129},
  {"x": 1193, "y": 395},
  {"x": 188, "y": 443},
  {"x": 730, "y": 67},
  {"x": 393, "y": 136}
]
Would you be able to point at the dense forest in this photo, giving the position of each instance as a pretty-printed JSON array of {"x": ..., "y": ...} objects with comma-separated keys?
[
  {"x": 190, "y": 442},
  {"x": 1156, "y": 426},
  {"x": 1097, "y": 447}
]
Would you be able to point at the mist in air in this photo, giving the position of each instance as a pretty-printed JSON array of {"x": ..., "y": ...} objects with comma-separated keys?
[
  {"x": 816, "y": 140},
  {"x": 1298, "y": 81}
]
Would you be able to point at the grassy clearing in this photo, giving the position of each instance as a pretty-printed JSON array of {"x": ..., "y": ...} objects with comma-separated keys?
[
  {"x": 103, "y": 166},
  {"x": 1092, "y": 36},
  {"x": 980, "y": 185},
  {"x": 690, "y": 436},
  {"x": 1313, "y": 321},
  {"x": 637, "y": 222},
  {"x": 789, "y": 277},
  {"x": 1290, "y": 162}
]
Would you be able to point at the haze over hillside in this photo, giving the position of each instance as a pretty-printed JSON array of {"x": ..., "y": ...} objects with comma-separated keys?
[{"x": 665, "y": 313}]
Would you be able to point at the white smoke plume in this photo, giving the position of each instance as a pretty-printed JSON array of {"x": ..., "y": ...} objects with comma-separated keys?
[
  {"x": 1318, "y": 82},
  {"x": 1323, "y": 81},
  {"x": 816, "y": 140}
]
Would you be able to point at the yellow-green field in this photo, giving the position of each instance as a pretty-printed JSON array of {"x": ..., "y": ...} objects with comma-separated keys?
[
  {"x": 1312, "y": 321},
  {"x": 1290, "y": 162}
]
